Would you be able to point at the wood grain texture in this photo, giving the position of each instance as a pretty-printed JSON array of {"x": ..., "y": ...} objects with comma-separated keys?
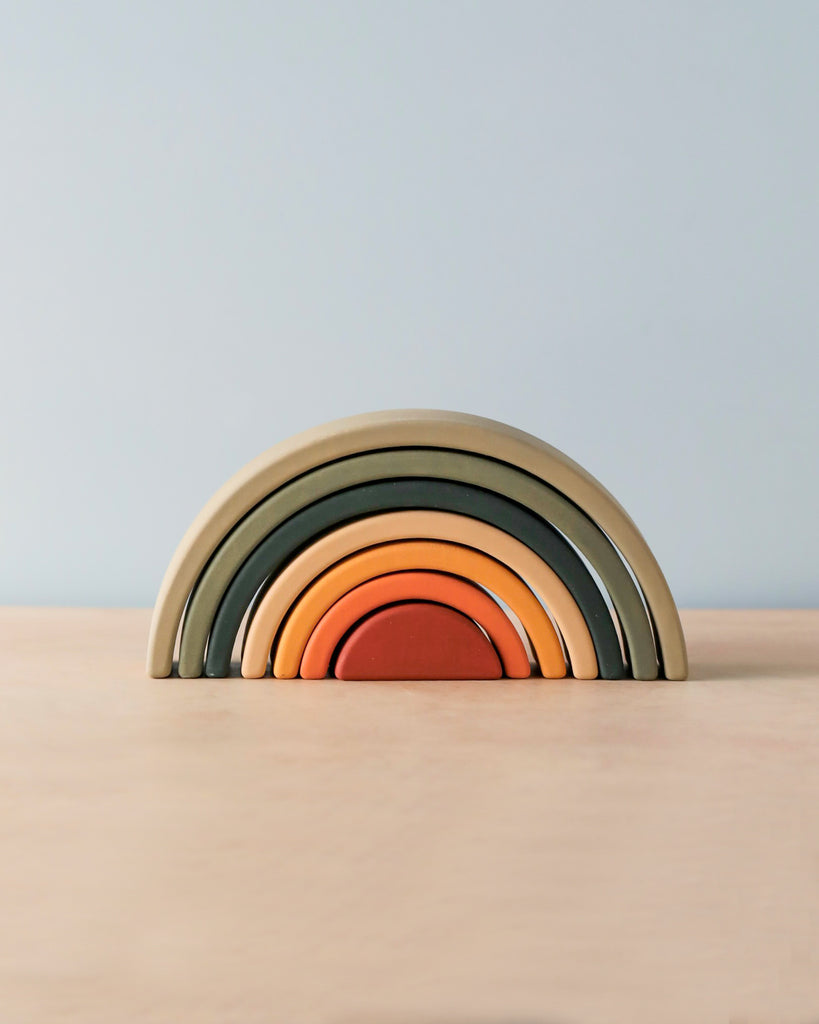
[{"x": 210, "y": 851}]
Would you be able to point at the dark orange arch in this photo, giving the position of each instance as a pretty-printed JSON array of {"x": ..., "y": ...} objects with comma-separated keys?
[
  {"x": 416, "y": 586},
  {"x": 417, "y": 640}
]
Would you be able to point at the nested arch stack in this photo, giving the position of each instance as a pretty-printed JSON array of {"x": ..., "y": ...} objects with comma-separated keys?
[{"x": 415, "y": 544}]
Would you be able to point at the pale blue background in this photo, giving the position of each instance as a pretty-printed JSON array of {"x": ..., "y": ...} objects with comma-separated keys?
[{"x": 222, "y": 223}]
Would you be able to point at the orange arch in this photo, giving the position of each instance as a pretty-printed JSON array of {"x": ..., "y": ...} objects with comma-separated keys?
[
  {"x": 318, "y": 646},
  {"x": 456, "y": 529}
]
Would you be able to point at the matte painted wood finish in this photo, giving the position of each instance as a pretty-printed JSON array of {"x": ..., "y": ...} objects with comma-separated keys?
[
  {"x": 469, "y": 469},
  {"x": 319, "y": 644},
  {"x": 405, "y": 428},
  {"x": 434, "y": 556},
  {"x": 395, "y": 526},
  {"x": 417, "y": 640},
  {"x": 262, "y": 567},
  {"x": 532, "y": 852}
]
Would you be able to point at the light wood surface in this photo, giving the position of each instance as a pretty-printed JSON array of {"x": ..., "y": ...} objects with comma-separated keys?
[{"x": 511, "y": 852}]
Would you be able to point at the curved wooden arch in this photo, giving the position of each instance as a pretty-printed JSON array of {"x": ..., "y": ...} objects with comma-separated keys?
[
  {"x": 394, "y": 526},
  {"x": 417, "y": 640},
  {"x": 442, "y": 556},
  {"x": 260, "y": 569},
  {"x": 437, "y": 464},
  {"x": 400, "y": 429},
  {"x": 310, "y": 642}
]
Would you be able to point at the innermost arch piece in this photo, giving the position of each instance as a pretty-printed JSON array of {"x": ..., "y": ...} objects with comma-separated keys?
[{"x": 417, "y": 640}]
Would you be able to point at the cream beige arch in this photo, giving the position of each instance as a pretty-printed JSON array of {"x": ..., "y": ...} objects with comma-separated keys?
[
  {"x": 331, "y": 548},
  {"x": 398, "y": 429}
]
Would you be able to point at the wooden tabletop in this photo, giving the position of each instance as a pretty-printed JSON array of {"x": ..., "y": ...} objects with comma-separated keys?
[{"x": 536, "y": 852}]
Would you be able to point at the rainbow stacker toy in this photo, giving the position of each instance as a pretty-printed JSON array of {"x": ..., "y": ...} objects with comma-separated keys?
[{"x": 415, "y": 544}]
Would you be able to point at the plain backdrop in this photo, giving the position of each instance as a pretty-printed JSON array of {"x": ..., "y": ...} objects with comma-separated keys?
[{"x": 223, "y": 223}]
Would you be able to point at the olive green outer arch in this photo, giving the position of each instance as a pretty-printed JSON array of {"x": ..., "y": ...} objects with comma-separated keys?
[
  {"x": 473, "y": 470},
  {"x": 399, "y": 429}
]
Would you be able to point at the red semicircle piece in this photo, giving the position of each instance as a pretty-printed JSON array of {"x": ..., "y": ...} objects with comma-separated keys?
[{"x": 417, "y": 640}]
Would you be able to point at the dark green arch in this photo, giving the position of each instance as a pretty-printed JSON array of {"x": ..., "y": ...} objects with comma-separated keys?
[{"x": 284, "y": 542}]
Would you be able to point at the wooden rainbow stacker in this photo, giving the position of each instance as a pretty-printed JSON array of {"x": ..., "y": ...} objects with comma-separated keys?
[{"x": 415, "y": 544}]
